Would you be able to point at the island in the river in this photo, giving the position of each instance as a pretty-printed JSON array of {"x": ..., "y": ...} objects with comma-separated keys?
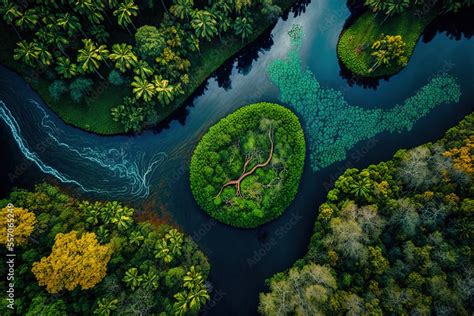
[
  {"x": 246, "y": 169},
  {"x": 381, "y": 41}
]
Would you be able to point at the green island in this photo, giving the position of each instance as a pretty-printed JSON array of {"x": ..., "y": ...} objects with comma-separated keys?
[
  {"x": 245, "y": 171},
  {"x": 80, "y": 257},
  {"x": 381, "y": 41},
  {"x": 120, "y": 66},
  {"x": 394, "y": 238}
]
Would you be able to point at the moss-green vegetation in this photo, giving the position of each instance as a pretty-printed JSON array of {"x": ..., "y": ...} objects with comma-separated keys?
[
  {"x": 333, "y": 126},
  {"x": 354, "y": 46},
  {"x": 395, "y": 238},
  {"x": 151, "y": 266},
  {"x": 246, "y": 169}
]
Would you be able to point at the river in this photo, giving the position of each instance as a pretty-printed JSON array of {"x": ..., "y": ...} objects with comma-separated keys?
[{"x": 152, "y": 167}]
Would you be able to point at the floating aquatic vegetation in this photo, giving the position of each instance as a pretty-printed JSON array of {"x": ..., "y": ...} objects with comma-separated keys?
[{"x": 333, "y": 125}]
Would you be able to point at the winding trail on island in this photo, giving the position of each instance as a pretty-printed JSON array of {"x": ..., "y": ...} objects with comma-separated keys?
[
  {"x": 254, "y": 168},
  {"x": 152, "y": 169}
]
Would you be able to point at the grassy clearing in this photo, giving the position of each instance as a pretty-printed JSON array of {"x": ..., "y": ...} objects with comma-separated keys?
[
  {"x": 94, "y": 116},
  {"x": 354, "y": 46}
]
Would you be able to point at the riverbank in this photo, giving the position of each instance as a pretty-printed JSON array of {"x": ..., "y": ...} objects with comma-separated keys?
[
  {"x": 354, "y": 45},
  {"x": 94, "y": 115}
]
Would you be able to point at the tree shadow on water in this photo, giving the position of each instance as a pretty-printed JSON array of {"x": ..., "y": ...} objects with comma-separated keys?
[
  {"x": 455, "y": 25},
  {"x": 353, "y": 79}
]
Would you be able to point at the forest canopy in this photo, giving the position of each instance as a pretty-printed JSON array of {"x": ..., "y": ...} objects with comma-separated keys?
[
  {"x": 133, "y": 59},
  {"x": 394, "y": 238},
  {"x": 80, "y": 257},
  {"x": 246, "y": 169}
]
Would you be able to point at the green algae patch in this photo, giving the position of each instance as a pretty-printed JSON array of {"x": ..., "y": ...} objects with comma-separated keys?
[{"x": 332, "y": 125}]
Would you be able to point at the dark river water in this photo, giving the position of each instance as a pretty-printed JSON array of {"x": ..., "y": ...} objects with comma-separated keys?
[{"x": 153, "y": 167}]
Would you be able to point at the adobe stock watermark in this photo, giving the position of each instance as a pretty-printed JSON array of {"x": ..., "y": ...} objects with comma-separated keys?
[
  {"x": 26, "y": 163},
  {"x": 203, "y": 230},
  {"x": 10, "y": 256},
  {"x": 280, "y": 232},
  {"x": 215, "y": 298}
]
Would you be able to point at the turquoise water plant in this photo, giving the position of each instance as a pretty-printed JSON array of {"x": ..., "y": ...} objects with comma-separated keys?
[{"x": 333, "y": 125}]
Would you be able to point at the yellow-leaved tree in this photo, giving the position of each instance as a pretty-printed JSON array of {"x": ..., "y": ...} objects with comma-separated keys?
[
  {"x": 463, "y": 157},
  {"x": 24, "y": 224},
  {"x": 73, "y": 262}
]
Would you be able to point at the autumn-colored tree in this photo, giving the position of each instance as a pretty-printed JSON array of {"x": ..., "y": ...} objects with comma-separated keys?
[
  {"x": 24, "y": 224},
  {"x": 390, "y": 49},
  {"x": 463, "y": 157},
  {"x": 73, "y": 261}
]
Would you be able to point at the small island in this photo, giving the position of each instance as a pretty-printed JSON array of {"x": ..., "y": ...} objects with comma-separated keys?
[
  {"x": 246, "y": 169},
  {"x": 381, "y": 41}
]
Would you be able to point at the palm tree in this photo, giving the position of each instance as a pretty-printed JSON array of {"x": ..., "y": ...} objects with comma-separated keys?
[
  {"x": 124, "y": 13},
  {"x": 28, "y": 19},
  {"x": 99, "y": 33},
  {"x": 105, "y": 306},
  {"x": 88, "y": 58},
  {"x": 164, "y": 90},
  {"x": 103, "y": 52},
  {"x": 143, "y": 89},
  {"x": 135, "y": 238},
  {"x": 143, "y": 69},
  {"x": 123, "y": 56},
  {"x": 163, "y": 252},
  {"x": 193, "y": 278},
  {"x": 66, "y": 68},
  {"x": 243, "y": 27},
  {"x": 197, "y": 297},
  {"x": 90, "y": 9},
  {"x": 10, "y": 11},
  {"x": 376, "y": 5},
  {"x": 69, "y": 23},
  {"x": 132, "y": 279},
  {"x": 362, "y": 189},
  {"x": 109, "y": 211},
  {"x": 44, "y": 56},
  {"x": 123, "y": 221},
  {"x": 224, "y": 24},
  {"x": 204, "y": 24},
  {"x": 44, "y": 35},
  {"x": 182, "y": 9},
  {"x": 181, "y": 305},
  {"x": 113, "y": 3},
  {"x": 26, "y": 52},
  {"x": 242, "y": 4},
  {"x": 223, "y": 6},
  {"x": 193, "y": 43},
  {"x": 61, "y": 43},
  {"x": 394, "y": 7},
  {"x": 175, "y": 239},
  {"x": 102, "y": 234},
  {"x": 150, "y": 280},
  {"x": 92, "y": 215}
]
